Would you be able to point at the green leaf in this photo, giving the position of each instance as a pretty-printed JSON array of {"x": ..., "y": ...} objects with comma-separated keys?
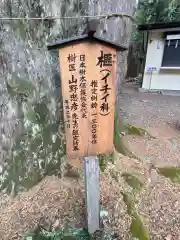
[
  {"x": 137, "y": 228},
  {"x": 173, "y": 173},
  {"x": 127, "y": 199},
  {"x": 133, "y": 181}
]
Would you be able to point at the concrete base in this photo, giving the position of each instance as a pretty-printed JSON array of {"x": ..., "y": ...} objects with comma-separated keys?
[
  {"x": 171, "y": 92},
  {"x": 161, "y": 91},
  {"x": 143, "y": 90}
]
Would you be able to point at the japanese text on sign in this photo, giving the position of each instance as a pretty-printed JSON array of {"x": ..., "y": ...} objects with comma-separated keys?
[
  {"x": 104, "y": 60},
  {"x": 83, "y": 95},
  {"x": 94, "y": 105},
  {"x": 73, "y": 88}
]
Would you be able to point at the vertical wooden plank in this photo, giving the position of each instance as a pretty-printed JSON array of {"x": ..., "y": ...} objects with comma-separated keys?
[{"x": 91, "y": 169}]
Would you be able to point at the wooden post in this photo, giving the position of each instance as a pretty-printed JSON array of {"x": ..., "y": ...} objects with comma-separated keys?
[{"x": 91, "y": 170}]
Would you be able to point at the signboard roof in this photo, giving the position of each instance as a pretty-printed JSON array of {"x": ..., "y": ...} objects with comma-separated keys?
[{"x": 83, "y": 38}]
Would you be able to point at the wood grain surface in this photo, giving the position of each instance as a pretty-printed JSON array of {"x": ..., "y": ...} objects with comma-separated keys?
[{"x": 88, "y": 89}]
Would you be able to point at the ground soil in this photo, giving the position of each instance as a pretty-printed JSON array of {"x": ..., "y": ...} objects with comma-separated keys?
[
  {"x": 55, "y": 202},
  {"x": 160, "y": 115}
]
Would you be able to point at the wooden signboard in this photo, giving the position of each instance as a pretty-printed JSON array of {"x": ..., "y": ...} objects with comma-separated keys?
[{"x": 88, "y": 75}]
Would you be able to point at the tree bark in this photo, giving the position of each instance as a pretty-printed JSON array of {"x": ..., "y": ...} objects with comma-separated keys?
[{"x": 116, "y": 29}]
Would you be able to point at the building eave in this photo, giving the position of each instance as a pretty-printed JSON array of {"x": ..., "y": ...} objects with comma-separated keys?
[{"x": 158, "y": 26}]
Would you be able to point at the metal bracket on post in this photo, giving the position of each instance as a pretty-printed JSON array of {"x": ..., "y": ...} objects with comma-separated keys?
[{"x": 92, "y": 173}]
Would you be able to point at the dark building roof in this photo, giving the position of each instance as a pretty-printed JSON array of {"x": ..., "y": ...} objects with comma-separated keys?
[
  {"x": 154, "y": 26},
  {"x": 86, "y": 37}
]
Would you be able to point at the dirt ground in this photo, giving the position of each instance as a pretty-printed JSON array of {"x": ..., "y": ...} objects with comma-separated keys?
[
  {"x": 57, "y": 202},
  {"x": 149, "y": 109},
  {"x": 160, "y": 115}
]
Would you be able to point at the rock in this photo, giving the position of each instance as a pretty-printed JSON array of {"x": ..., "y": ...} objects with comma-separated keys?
[
  {"x": 56, "y": 224},
  {"x": 145, "y": 101},
  {"x": 169, "y": 237}
]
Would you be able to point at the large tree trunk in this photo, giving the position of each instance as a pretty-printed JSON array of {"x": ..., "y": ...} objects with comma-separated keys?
[
  {"x": 24, "y": 57},
  {"x": 115, "y": 28}
]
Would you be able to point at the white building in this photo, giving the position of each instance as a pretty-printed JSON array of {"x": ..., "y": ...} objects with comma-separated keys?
[{"x": 162, "y": 65}]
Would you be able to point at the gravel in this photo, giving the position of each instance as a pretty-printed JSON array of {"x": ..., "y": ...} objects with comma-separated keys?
[{"x": 159, "y": 203}]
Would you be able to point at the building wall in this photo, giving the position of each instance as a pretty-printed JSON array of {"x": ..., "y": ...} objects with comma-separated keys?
[{"x": 160, "y": 79}]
